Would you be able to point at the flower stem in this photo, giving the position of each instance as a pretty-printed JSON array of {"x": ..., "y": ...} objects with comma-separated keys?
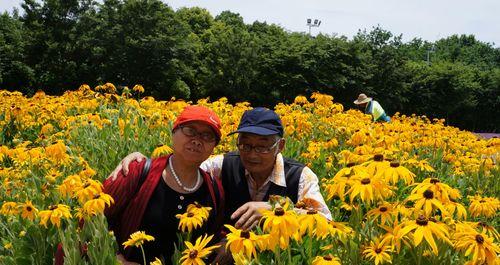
[{"x": 143, "y": 255}]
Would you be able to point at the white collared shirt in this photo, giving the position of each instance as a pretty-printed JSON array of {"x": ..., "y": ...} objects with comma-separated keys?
[{"x": 308, "y": 183}]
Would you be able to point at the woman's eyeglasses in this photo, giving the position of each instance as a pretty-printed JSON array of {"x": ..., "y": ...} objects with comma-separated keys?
[{"x": 191, "y": 132}]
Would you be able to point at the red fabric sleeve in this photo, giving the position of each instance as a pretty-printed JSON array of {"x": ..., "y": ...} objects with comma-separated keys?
[{"x": 122, "y": 189}]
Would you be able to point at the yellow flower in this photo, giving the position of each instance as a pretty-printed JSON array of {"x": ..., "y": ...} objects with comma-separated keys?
[
  {"x": 57, "y": 151},
  {"x": 426, "y": 201},
  {"x": 440, "y": 190},
  {"x": 483, "y": 206},
  {"x": 369, "y": 189},
  {"x": 70, "y": 185},
  {"x": 189, "y": 221},
  {"x": 47, "y": 129},
  {"x": 422, "y": 165},
  {"x": 385, "y": 211},
  {"x": 326, "y": 260},
  {"x": 488, "y": 229},
  {"x": 28, "y": 211},
  {"x": 482, "y": 247},
  {"x": 453, "y": 207},
  {"x": 378, "y": 252},
  {"x": 425, "y": 228},
  {"x": 396, "y": 172},
  {"x": 240, "y": 259},
  {"x": 156, "y": 262},
  {"x": 161, "y": 151},
  {"x": 98, "y": 203},
  {"x": 137, "y": 239},
  {"x": 8, "y": 246},
  {"x": 340, "y": 229},
  {"x": 239, "y": 241},
  {"x": 52, "y": 175},
  {"x": 338, "y": 184},
  {"x": 392, "y": 236},
  {"x": 199, "y": 210},
  {"x": 88, "y": 189},
  {"x": 280, "y": 222},
  {"x": 194, "y": 254},
  {"x": 138, "y": 88},
  {"x": 314, "y": 224},
  {"x": 377, "y": 166},
  {"x": 109, "y": 88},
  {"x": 55, "y": 213},
  {"x": 9, "y": 208},
  {"x": 300, "y": 100}
]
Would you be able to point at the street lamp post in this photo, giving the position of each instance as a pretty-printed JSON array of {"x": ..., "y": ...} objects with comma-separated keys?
[
  {"x": 429, "y": 51},
  {"x": 311, "y": 24}
]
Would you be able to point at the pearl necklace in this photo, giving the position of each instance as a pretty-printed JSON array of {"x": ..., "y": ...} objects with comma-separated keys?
[{"x": 198, "y": 180}]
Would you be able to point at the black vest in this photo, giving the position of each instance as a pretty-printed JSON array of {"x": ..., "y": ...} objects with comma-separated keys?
[{"x": 236, "y": 186}]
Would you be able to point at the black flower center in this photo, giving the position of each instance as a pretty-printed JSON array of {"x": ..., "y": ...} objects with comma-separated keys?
[
  {"x": 190, "y": 214},
  {"x": 394, "y": 164},
  {"x": 327, "y": 257},
  {"x": 383, "y": 209},
  {"x": 434, "y": 181},
  {"x": 422, "y": 221},
  {"x": 378, "y": 250},
  {"x": 245, "y": 234},
  {"x": 428, "y": 194},
  {"x": 193, "y": 254},
  {"x": 365, "y": 181},
  {"x": 479, "y": 239},
  {"x": 312, "y": 212},
  {"x": 351, "y": 164},
  {"x": 378, "y": 157},
  {"x": 279, "y": 211}
]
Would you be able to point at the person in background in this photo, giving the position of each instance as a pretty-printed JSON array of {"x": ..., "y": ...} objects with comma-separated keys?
[{"x": 372, "y": 107}]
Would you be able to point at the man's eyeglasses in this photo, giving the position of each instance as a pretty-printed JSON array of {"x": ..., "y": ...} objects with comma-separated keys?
[
  {"x": 258, "y": 149},
  {"x": 191, "y": 132}
]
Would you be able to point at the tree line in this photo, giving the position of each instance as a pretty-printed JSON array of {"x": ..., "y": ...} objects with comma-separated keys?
[{"x": 56, "y": 45}]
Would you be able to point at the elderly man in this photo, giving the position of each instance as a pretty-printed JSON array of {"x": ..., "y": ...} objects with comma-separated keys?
[
  {"x": 256, "y": 171},
  {"x": 372, "y": 107}
]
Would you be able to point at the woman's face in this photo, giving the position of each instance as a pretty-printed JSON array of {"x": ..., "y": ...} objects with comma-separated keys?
[{"x": 194, "y": 142}]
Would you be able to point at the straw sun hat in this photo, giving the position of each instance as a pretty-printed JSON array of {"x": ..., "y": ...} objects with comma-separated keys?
[{"x": 362, "y": 98}]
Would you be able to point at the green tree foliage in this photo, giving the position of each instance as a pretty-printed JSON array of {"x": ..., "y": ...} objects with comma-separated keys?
[
  {"x": 14, "y": 72},
  {"x": 59, "y": 44}
]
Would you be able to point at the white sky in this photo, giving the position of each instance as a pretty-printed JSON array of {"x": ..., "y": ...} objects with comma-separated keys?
[{"x": 426, "y": 19}]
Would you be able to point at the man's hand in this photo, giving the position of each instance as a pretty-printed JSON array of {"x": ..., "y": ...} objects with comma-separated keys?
[
  {"x": 123, "y": 261},
  {"x": 123, "y": 166},
  {"x": 248, "y": 215}
]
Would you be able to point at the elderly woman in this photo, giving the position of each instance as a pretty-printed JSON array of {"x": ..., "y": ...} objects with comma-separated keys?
[{"x": 150, "y": 203}]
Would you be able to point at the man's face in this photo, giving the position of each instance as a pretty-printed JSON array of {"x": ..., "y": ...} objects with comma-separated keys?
[
  {"x": 258, "y": 163},
  {"x": 362, "y": 106}
]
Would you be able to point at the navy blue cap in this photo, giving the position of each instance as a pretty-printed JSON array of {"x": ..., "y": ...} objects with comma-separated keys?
[{"x": 261, "y": 121}]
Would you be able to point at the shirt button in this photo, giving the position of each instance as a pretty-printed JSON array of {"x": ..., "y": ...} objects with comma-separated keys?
[
  {"x": 181, "y": 197},
  {"x": 179, "y": 207}
]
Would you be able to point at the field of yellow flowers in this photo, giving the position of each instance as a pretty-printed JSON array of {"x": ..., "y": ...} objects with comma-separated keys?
[{"x": 412, "y": 191}]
